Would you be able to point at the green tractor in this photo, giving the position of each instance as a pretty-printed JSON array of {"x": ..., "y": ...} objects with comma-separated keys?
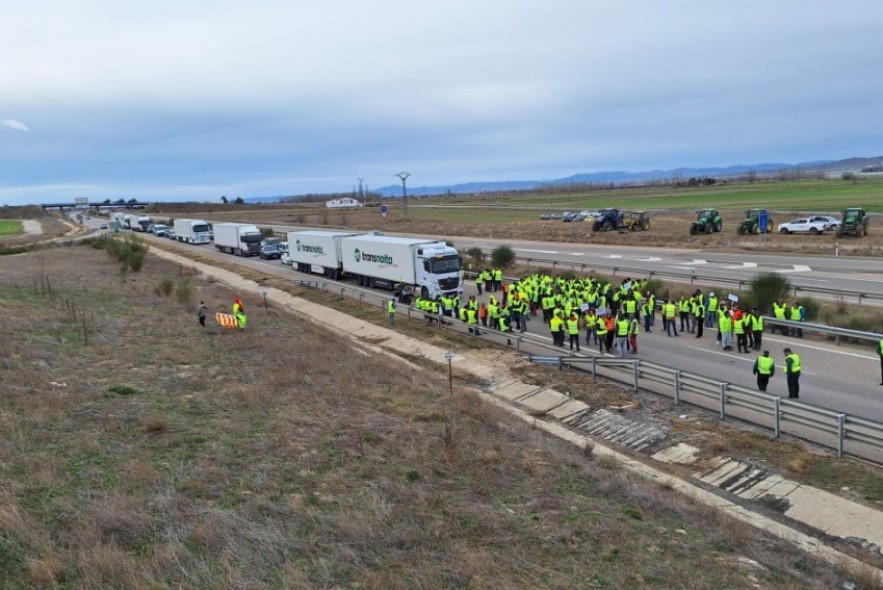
[
  {"x": 753, "y": 220},
  {"x": 853, "y": 223},
  {"x": 707, "y": 221}
]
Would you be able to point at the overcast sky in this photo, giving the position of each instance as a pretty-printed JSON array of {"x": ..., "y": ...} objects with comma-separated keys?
[{"x": 194, "y": 99}]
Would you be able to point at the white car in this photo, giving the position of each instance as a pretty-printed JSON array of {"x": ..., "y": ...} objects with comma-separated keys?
[
  {"x": 802, "y": 225},
  {"x": 831, "y": 223}
]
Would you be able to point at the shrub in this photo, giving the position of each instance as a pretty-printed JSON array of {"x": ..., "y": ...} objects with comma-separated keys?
[
  {"x": 267, "y": 232},
  {"x": 183, "y": 291},
  {"x": 766, "y": 288},
  {"x": 129, "y": 250},
  {"x": 502, "y": 256},
  {"x": 476, "y": 254},
  {"x": 164, "y": 287}
]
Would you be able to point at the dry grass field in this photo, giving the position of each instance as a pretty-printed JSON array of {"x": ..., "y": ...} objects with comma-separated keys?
[{"x": 138, "y": 450}]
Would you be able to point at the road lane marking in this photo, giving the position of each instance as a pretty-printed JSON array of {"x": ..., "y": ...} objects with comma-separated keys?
[{"x": 536, "y": 251}]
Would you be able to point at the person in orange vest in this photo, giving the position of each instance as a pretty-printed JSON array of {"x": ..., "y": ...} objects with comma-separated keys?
[{"x": 610, "y": 320}]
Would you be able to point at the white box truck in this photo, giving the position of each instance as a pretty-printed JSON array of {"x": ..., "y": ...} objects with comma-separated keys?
[
  {"x": 317, "y": 251},
  {"x": 430, "y": 267},
  {"x": 241, "y": 239},
  {"x": 192, "y": 231}
]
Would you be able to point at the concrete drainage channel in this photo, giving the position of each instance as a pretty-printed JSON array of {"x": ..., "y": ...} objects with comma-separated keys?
[{"x": 725, "y": 484}]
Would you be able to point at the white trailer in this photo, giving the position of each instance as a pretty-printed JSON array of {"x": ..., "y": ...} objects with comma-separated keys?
[
  {"x": 430, "y": 267},
  {"x": 192, "y": 231},
  {"x": 241, "y": 239},
  {"x": 316, "y": 251},
  {"x": 139, "y": 222}
]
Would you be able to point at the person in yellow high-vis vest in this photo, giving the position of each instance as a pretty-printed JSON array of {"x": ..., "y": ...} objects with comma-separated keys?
[
  {"x": 764, "y": 368},
  {"x": 573, "y": 330},
  {"x": 391, "y": 309},
  {"x": 792, "y": 373}
]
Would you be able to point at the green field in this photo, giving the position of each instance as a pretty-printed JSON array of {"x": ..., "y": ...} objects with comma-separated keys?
[{"x": 10, "y": 227}]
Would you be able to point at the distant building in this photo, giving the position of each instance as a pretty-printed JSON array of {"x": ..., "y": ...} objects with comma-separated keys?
[{"x": 345, "y": 203}]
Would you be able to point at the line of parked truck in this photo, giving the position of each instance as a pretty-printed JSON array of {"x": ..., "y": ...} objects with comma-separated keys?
[{"x": 410, "y": 266}]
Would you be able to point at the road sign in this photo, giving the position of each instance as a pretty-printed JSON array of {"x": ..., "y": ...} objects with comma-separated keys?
[{"x": 383, "y": 211}]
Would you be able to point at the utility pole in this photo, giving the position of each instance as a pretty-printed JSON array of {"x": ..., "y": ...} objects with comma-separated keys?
[
  {"x": 361, "y": 193},
  {"x": 404, "y": 176}
]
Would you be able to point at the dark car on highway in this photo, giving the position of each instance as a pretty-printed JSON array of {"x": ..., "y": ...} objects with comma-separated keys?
[{"x": 270, "y": 252}]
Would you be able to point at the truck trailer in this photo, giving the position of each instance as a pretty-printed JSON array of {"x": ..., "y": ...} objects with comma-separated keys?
[
  {"x": 139, "y": 222},
  {"x": 241, "y": 239},
  {"x": 316, "y": 251},
  {"x": 431, "y": 268},
  {"x": 192, "y": 231}
]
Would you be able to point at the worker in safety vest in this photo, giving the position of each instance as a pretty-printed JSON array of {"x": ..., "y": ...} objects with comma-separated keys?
[
  {"x": 699, "y": 314},
  {"x": 573, "y": 330},
  {"x": 711, "y": 313},
  {"x": 792, "y": 373},
  {"x": 391, "y": 309},
  {"x": 756, "y": 328},
  {"x": 741, "y": 332},
  {"x": 669, "y": 313},
  {"x": 725, "y": 328},
  {"x": 764, "y": 368},
  {"x": 239, "y": 313},
  {"x": 601, "y": 331},
  {"x": 779, "y": 314},
  {"x": 798, "y": 314},
  {"x": 556, "y": 326},
  {"x": 634, "y": 328},
  {"x": 472, "y": 320},
  {"x": 622, "y": 334},
  {"x": 684, "y": 313}
]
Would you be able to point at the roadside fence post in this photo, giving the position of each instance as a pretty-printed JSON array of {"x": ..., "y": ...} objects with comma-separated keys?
[
  {"x": 723, "y": 396},
  {"x": 635, "y": 371},
  {"x": 841, "y": 433},
  {"x": 677, "y": 379},
  {"x": 777, "y": 413}
]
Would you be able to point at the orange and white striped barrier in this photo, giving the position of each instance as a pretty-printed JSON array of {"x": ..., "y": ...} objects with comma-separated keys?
[{"x": 227, "y": 320}]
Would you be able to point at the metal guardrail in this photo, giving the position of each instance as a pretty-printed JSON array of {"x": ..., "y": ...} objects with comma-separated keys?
[
  {"x": 846, "y": 433},
  {"x": 837, "y": 430},
  {"x": 825, "y": 330}
]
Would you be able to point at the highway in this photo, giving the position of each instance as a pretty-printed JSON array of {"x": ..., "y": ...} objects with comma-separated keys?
[{"x": 844, "y": 378}]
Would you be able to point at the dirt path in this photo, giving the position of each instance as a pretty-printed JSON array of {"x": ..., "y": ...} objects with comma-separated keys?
[{"x": 32, "y": 226}]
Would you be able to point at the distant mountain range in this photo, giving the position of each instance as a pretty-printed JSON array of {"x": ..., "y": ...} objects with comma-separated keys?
[{"x": 764, "y": 170}]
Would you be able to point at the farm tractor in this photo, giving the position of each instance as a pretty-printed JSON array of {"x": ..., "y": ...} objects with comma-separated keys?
[
  {"x": 853, "y": 223},
  {"x": 756, "y": 221},
  {"x": 636, "y": 220},
  {"x": 707, "y": 221},
  {"x": 608, "y": 219}
]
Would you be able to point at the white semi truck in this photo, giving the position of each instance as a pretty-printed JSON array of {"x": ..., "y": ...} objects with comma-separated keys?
[
  {"x": 192, "y": 231},
  {"x": 241, "y": 239},
  {"x": 431, "y": 268},
  {"x": 317, "y": 251},
  {"x": 139, "y": 222}
]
